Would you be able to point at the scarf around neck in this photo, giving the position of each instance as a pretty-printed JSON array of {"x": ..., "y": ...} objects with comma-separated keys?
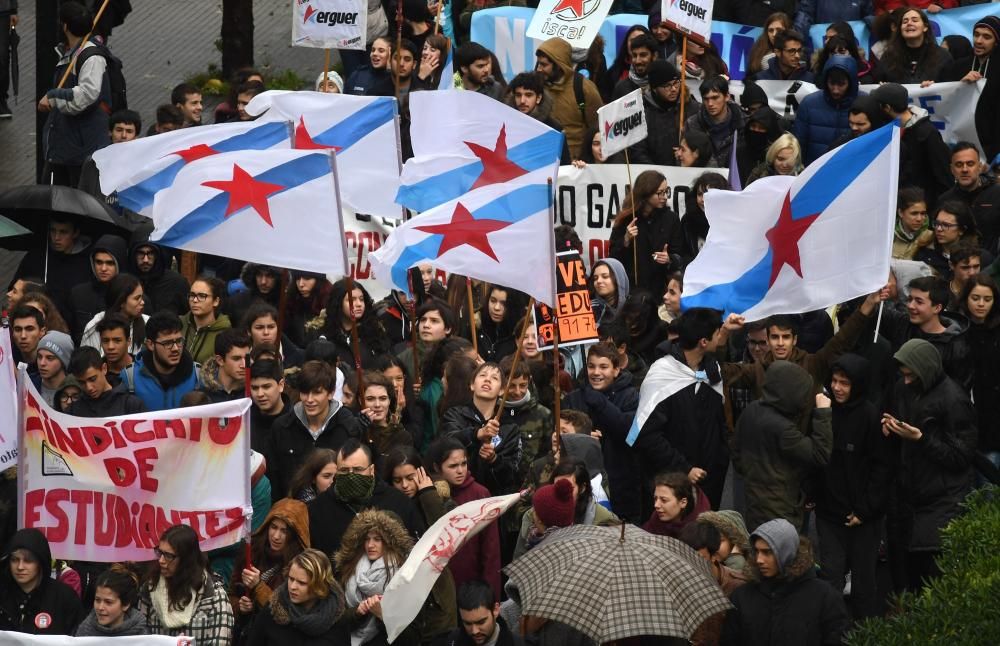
[{"x": 161, "y": 604}]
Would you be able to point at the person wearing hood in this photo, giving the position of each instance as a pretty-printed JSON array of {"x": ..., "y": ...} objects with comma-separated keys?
[
  {"x": 163, "y": 288},
  {"x": 64, "y": 264},
  {"x": 734, "y": 549},
  {"x": 786, "y": 65},
  {"x": 107, "y": 260},
  {"x": 925, "y": 318},
  {"x": 853, "y": 489},
  {"x": 317, "y": 421},
  {"x": 164, "y": 371},
  {"x": 354, "y": 489},
  {"x": 863, "y": 116},
  {"x": 575, "y": 99},
  {"x": 609, "y": 288},
  {"x": 115, "y": 612},
  {"x": 822, "y": 117},
  {"x": 526, "y": 93},
  {"x": 31, "y": 601},
  {"x": 763, "y": 127},
  {"x": 282, "y": 536},
  {"x": 785, "y": 604},
  {"x": 933, "y": 424},
  {"x": 923, "y": 155},
  {"x": 661, "y": 103},
  {"x": 983, "y": 63},
  {"x": 263, "y": 282},
  {"x": 770, "y": 450},
  {"x": 718, "y": 119},
  {"x": 98, "y": 398},
  {"x": 608, "y": 397}
]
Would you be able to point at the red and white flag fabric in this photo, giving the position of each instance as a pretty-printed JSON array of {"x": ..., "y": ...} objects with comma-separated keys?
[
  {"x": 277, "y": 207},
  {"x": 409, "y": 587}
]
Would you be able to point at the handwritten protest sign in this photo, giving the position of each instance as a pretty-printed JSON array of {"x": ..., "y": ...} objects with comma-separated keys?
[{"x": 573, "y": 312}]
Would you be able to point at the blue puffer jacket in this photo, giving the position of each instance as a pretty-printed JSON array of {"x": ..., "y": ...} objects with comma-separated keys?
[
  {"x": 820, "y": 120},
  {"x": 161, "y": 392},
  {"x": 816, "y": 12}
]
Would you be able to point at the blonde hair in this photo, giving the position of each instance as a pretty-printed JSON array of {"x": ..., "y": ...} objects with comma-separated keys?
[
  {"x": 786, "y": 140},
  {"x": 317, "y": 566}
]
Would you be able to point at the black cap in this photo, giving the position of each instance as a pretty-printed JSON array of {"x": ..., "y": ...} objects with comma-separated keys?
[
  {"x": 661, "y": 72},
  {"x": 893, "y": 95}
]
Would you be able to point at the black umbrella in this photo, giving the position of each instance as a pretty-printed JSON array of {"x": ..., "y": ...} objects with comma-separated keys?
[
  {"x": 15, "y": 67},
  {"x": 31, "y": 205}
]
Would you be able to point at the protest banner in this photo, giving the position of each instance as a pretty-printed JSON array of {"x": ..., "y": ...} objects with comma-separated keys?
[
  {"x": 336, "y": 24},
  {"x": 575, "y": 21},
  {"x": 621, "y": 123},
  {"x": 588, "y": 199},
  {"x": 573, "y": 311},
  {"x": 23, "y": 639},
  {"x": 950, "y": 22},
  {"x": 8, "y": 403},
  {"x": 691, "y": 17},
  {"x": 104, "y": 490}
]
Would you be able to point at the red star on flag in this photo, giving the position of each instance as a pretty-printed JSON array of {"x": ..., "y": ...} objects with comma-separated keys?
[
  {"x": 464, "y": 229},
  {"x": 576, "y": 6},
  {"x": 196, "y": 152},
  {"x": 784, "y": 239},
  {"x": 245, "y": 191},
  {"x": 304, "y": 141},
  {"x": 497, "y": 168}
]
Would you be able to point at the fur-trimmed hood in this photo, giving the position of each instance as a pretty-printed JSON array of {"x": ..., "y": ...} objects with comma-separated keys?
[
  {"x": 295, "y": 514},
  {"x": 387, "y": 524},
  {"x": 803, "y": 563}
]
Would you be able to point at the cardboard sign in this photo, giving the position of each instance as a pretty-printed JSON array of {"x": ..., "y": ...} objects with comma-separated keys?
[
  {"x": 105, "y": 489},
  {"x": 693, "y": 17},
  {"x": 622, "y": 123},
  {"x": 330, "y": 24},
  {"x": 573, "y": 313},
  {"x": 575, "y": 21}
]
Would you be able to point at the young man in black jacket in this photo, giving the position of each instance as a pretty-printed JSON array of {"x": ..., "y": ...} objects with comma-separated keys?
[
  {"x": 480, "y": 620},
  {"x": 31, "y": 601},
  {"x": 99, "y": 398}
]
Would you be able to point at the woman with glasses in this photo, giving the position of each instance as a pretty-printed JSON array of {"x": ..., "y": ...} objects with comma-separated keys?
[
  {"x": 124, "y": 296},
  {"x": 646, "y": 234},
  {"x": 67, "y": 394},
  {"x": 180, "y": 596},
  {"x": 953, "y": 225},
  {"x": 203, "y": 322}
]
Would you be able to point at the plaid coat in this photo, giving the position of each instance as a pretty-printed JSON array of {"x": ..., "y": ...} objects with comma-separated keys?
[{"x": 211, "y": 624}]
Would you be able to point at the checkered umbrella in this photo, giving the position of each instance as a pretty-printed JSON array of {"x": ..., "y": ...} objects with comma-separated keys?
[{"x": 612, "y": 583}]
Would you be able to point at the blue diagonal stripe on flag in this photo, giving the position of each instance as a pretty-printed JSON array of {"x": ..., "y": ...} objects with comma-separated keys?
[
  {"x": 213, "y": 212},
  {"x": 511, "y": 207},
  {"x": 530, "y": 155},
  {"x": 353, "y": 128},
  {"x": 141, "y": 195}
]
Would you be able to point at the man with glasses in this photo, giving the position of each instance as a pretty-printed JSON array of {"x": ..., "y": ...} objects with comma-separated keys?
[
  {"x": 317, "y": 421},
  {"x": 789, "y": 52},
  {"x": 164, "y": 371},
  {"x": 355, "y": 488},
  {"x": 163, "y": 288},
  {"x": 661, "y": 103}
]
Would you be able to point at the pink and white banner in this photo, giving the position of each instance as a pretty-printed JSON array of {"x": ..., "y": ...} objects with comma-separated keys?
[
  {"x": 105, "y": 489},
  {"x": 8, "y": 403}
]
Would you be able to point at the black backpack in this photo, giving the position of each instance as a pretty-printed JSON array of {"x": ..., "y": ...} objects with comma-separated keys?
[{"x": 116, "y": 77}]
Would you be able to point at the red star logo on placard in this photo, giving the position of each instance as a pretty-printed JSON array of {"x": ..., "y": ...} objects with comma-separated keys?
[
  {"x": 464, "y": 229},
  {"x": 576, "y": 6},
  {"x": 784, "y": 239},
  {"x": 245, "y": 191},
  {"x": 497, "y": 168},
  {"x": 304, "y": 141},
  {"x": 196, "y": 152}
]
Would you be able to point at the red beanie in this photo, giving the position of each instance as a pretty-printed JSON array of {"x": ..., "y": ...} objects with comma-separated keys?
[{"x": 554, "y": 504}]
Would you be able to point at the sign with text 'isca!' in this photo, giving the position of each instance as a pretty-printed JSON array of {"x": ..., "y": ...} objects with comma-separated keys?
[{"x": 575, "y": 21}]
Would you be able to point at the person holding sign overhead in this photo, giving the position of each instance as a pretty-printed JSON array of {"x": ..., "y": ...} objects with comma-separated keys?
[{"x": 647, "y": 222}]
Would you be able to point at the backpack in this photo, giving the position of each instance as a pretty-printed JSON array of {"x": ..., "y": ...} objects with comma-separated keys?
[{"x": 116, "y": 78}]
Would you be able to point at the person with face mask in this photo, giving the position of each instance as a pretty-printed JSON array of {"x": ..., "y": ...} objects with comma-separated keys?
[{"x": 355, "y": 488}]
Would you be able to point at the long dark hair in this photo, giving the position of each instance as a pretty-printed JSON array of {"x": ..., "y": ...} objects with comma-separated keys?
[
  {"x": 260, "y": 552},
  {"x": 369, "y": 328},
  {"x": 896, "y": 59},
  {"x": 459, "y": 371},
  {"x": 119, "y": 289},
  {"x": 397, "y": 457},
  {"x": 191, "y": 566},
  {"x": 306, "y": 474},
  {"x": 513, "y": 312},
  {"x": 981, "y": 280},
  {"x": 646, "y": 185},
  {"x": 443, "y": 350},
  {"x": 763, "y": 45},
  {"x": 315, "y": 302}
]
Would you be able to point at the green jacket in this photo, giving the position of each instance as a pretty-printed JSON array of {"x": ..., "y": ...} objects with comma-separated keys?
[{"x": 200, "y": 343}]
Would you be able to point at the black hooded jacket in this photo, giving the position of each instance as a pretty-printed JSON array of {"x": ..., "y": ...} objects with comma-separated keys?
[
  {"x": 50, "y": 609},
  {"x": 329, "y": 516},
  {"x": 115, "y": 402},
  {"x": 751, "y": 146},
  {"x": 500, "y": 476},
  {"x": 163, "y": 288},
  {"x": 661, "y": 119},
  {"x": 858, "y": 477},
  {"x": 952, "y": 343},
  {"x": 238, "y": 305},
  {"x": 87, "y": 299},
  {"x": 61, "y": 272},
  {"x": 661, "y": 227}
]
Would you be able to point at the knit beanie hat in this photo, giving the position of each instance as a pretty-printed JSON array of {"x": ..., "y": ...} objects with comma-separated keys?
[
  {"x": 781, "y": 536},
  {"x": 59, "y": 344},
  {"x": 661, "y": 72},
  {"x": 554, "y": 504},
  {"x": 990, "y": 22}
]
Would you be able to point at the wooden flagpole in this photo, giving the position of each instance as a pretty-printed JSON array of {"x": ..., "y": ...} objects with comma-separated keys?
[
  {"x": 472, "y": 315},
  {"x": 635, "y": 216},
  {"x": 556, "y": 361},
  {"x": 326, "y": 69},
  {"x": 72, "y": 63},
  {"x": 683, "y": 97},
  {"x": 399, "y": 46},
  {"x": 517, "y": 357}
]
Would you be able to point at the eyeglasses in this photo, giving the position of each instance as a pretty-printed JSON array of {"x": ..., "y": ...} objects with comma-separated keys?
[
  {"x": 938, "y": 224},
  {"x": 793, "y": 51},
  {"x": 170, "y": 343},
  {"x": 69, "y": 398},
  {"x": 198, "y": 297},
  {"x": 343, "y": 471},
  {"x": 141, "y": 253},
  {"x": 665, "y": 193},
  {"x": 166, "y": 556}
]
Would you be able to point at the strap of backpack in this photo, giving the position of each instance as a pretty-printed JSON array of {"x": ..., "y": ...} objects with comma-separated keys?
[
  {"x": 130, "y": 376},
  {"x": 581, "y": 100}
]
